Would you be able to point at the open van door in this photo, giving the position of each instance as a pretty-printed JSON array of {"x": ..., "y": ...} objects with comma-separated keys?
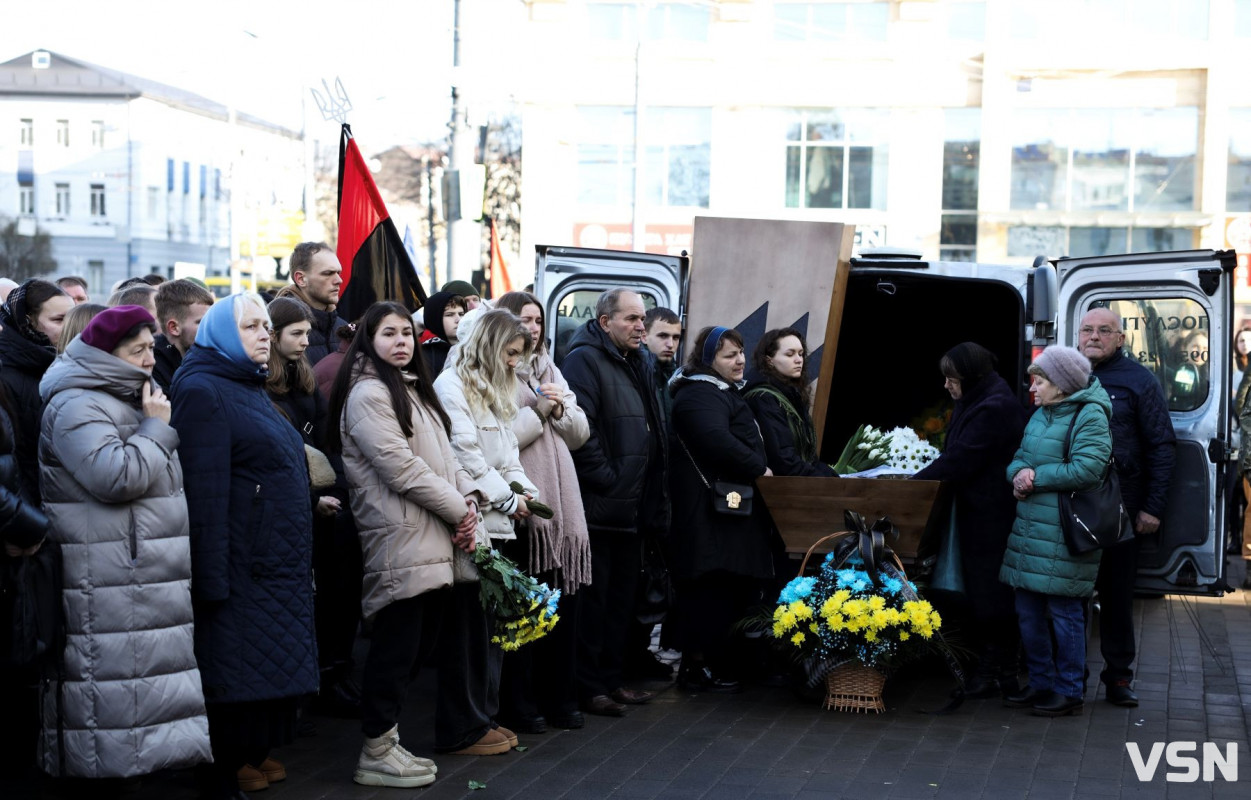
[
  {"x": 570, "y": 279},
  {"x": 1177, "y": 312}
]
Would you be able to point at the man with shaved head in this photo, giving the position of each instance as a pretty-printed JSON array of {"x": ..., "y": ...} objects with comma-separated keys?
[{"x": 1142, "y": 442}]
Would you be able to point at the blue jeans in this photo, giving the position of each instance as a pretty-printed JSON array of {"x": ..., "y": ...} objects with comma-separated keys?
[{"x": 1062, "y": 668}]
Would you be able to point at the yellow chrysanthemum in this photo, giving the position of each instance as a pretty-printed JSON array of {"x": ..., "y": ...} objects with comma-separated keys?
[{"x": 798, "y": 638}]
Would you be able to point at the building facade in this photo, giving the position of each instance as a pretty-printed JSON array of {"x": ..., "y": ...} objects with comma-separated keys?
[
  {"x": 131, "y": 177},
  {"x": 992, "y": 131}
]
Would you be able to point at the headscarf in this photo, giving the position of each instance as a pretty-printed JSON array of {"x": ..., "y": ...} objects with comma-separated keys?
[
  {"x": 972, "y": 362},
  {"x": 16, "y": 315},
  {"x": 712, "y": 344},
  {"x": 219, "y": 329}
]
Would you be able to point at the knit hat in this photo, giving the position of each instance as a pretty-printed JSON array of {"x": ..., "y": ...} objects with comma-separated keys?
[
  {"x": 461, "y": 289},
  {"x": 1066, "y": 367},
  {"x": 111, "y": 326}
]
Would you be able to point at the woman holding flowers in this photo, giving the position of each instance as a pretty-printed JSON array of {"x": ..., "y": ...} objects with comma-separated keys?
[
  {"x": 780, "y": 398},
  {"x": 558, "y": 551},
  {"x": 478, "y": 389},
  {"x": 983, "y": 435},
  {"x": 413, "y": 503},
  {"x": 1051, "y": 582},
  {"x": 719, "y": 559}
]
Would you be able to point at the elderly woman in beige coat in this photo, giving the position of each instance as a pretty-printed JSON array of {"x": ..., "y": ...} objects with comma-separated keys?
[{"x": 413, "y": 503}]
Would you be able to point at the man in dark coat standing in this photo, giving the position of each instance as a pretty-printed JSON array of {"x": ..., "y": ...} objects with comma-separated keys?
[
  {"x": 316, "y": 276},
  {"x": 1143, "y": 445},
  {"x": 621, "y": 471}
]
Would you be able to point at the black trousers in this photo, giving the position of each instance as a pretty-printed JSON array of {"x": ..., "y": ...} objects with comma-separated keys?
[
  {"x": 469, "y": 672},
  {"x": 1115, "y": 584},
  {"x": 607, "y": 608},
  {"x": 709, "y": 606},
  {"x": 338, "y": 572},
  {"x": 394, "y": 658}
]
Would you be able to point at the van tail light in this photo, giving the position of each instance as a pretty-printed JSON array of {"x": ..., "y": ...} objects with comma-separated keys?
[{"x": 1034, "y": 352}]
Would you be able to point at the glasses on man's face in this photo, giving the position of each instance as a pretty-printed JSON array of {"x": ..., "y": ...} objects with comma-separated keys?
[{"x": 1104, "y": 331}]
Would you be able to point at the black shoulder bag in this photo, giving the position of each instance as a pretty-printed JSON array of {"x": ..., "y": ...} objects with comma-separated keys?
[
  {"x": 1094, "y": 518},
  {"x": 732, "y": 499}
]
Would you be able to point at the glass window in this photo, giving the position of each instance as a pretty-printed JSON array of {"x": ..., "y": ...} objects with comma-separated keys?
[
  {"x": 966, "y": 21},
  {"x": 1100, "y": 21},
  {"x": 830, "y": 22},
  {"x": 1104, "y": 159},
  {"x": 678, "y": 21},
  {"x": 97, "y": 200},
  {"x": 611, "y": 21},
  {"x": 1238, "y": 187},
  {"x": 1156, "y": 240},
  {"x": 62, "y": 199},
  {"x": 1169, "y": 336},
  {"x": 154, "y": 201},
  {"x": 27, "y": 135},
  {"x": 97, "y": 134},
  {"x": 1027, "y": 241},
  {"x": 1242, "y": 19},
  {"x": 26, "y": 200},
  {"x": 1097, "y": 241},
  {"x": 573, "y": 311},
  {"x": 837, "y": 158},
  {"x": 677, "y": 156},
  {"x": 62, "y": 132},
  {"x": 961, "y": 158}
]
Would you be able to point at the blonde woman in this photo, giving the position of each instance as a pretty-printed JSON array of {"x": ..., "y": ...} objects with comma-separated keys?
[
  {"x": 76, "y": 320},
  {"x": 477, "y": 391}
]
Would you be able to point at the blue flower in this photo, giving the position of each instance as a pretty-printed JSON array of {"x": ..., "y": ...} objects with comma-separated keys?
[
  {"x": 892, "y": 585},
  {"x": 797, "y": 589}
]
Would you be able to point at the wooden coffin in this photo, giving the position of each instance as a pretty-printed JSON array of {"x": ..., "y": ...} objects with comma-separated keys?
[{"x": 805, "y": 509}]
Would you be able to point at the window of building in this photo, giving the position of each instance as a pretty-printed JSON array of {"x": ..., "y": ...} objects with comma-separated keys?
[
  {"x": 95, "y": 273},
  {"x": 203, "y": 213},
  {"x": 676, "y": 165},
  {"x": 612, "y": 21},
  {"x": 97, "y": 134},
  {"x": 154, "y": 201},
  {"x": 186, "y": 177},
  {"x": 683, "y": 22},
  {"x": 837, "y": 158},
  {"x": 605, "y": 155},
  {"x": 62, "y": 200},
  {"x": 1238, "y": 185},
  {"x": 26, "y": 135},
  {"x": 966, "y": 22},
  {"x": 97, "y": 200},
  {"x": 830, "y": 22},
  {"x": 1127, "y": 20},
  {"x": 169, "y": 175},
  {"x": 62, "y": 132},
  {"x": 1104, "y": 159},
  {"x": 1027, "y": 241},
  {"x": 1242, "y": 19},
  {"x": 26, "y": 200},
  {"x": 957, "y": 238}
]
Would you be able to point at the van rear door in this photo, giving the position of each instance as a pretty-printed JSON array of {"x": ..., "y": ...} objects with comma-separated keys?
[
  {"x": 570, "y": 279},
  {"x": 1177, "y": 312}
]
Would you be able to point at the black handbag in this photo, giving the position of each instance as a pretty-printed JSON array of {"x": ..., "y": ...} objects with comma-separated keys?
[
  {"x": 732, "y": 499},
  {"x": 1094, "y": 519},
  {"x": 32, "y": 606},
  {"x": 655, "y": 592}
]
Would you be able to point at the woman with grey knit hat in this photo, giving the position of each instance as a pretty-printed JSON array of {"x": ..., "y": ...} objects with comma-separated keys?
[{"x": 1049, "y": 581}]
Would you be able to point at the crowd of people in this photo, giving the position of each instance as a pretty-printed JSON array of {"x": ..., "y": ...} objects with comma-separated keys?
[{"x": 232, "y": 489}]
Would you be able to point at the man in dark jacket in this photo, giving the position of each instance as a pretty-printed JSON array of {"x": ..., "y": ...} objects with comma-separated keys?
[
  {"x": 621, "y": 471},
  {"x": 316, "y": 276},
  {"x": 1143, "y": 445},
  {"x": 180, "y": 305}
]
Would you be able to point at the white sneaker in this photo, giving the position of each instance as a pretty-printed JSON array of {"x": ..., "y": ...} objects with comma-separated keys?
[{"x": 384, "y": 763}]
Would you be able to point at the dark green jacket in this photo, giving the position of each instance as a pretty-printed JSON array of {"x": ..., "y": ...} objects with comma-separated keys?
[{"x": 1037, "y": 558}]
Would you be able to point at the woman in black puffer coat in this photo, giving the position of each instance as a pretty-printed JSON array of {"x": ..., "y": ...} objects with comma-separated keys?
[
  {"x": 719, "y": 559},
  {"x": 31, "y": 318}
]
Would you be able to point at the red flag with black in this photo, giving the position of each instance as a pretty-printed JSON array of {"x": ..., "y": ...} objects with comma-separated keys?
[{"x": 375, "y": 264}]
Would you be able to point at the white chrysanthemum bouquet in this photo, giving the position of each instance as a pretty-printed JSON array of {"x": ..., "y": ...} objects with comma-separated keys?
[{"x": 900, "y": 448}]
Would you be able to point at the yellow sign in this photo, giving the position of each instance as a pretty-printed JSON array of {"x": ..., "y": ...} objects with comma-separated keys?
[{"x": 277, "y": 234}]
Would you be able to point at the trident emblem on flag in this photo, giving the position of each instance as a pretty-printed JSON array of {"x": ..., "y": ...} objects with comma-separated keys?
[{"x": 334, "y": 104}]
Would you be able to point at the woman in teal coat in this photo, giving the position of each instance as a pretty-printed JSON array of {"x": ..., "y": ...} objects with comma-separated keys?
[{"x": 1048, "y": 579}]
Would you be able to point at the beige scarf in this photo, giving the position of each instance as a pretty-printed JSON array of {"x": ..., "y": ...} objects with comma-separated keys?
[{"x": 560, "y": 544}]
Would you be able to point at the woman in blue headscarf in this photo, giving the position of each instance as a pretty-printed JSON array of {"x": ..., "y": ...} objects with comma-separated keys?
[
  {"x": 246, "y": 478},
  {"x": 719, "y": 559}
]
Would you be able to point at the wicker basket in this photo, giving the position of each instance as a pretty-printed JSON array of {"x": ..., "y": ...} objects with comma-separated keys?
[{"x": 855, "y": 688}]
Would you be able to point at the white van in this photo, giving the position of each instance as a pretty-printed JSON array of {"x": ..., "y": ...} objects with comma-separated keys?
[{"x": 892, "y": 316}]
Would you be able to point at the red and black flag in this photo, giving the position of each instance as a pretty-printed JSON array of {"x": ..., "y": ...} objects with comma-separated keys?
[{"x": 375, "y": 264}]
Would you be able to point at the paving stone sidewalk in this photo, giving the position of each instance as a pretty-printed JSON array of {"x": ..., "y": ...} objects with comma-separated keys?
[{"x": 1194, "y": 682}]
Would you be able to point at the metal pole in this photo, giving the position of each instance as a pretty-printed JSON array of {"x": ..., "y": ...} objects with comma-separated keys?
[
  {"x": 430, "y": 240},
  {"x": 454, "y": 127}
]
